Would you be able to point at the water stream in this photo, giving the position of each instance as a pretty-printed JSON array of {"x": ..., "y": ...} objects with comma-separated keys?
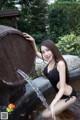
[{"x": 35, "y": 88}]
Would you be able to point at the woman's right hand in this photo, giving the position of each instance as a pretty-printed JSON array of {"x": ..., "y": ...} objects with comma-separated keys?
[{"x": 28, "y": 37}]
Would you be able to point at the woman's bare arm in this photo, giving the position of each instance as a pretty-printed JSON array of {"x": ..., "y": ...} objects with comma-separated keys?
[
  {"x": 28, "y": 37},
  {"x": 62, "y": 74}
]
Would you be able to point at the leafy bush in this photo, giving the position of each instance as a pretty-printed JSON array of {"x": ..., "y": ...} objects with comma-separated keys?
[
  {"x": 39, "y": 37},
  {"x": 64, "y": 18},
  {"x": 69, "y": 44},
  {"x": 58, "y": 23}
]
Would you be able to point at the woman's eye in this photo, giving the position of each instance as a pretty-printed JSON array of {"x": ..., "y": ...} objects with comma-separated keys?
[{"x": 44, "y": 51}]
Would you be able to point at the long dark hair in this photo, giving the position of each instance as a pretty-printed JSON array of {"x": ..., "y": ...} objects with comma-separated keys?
[{"x": 56, "y": 53}]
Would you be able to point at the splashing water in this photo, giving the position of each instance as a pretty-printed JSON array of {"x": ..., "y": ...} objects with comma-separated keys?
[{"x": 35, "y": 88}]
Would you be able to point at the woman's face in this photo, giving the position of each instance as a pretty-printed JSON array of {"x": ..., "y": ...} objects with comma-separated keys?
[{"x": 46, "y": 53}]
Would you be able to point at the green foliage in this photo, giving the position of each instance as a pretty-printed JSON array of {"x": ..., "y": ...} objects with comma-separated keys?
[
  {"x": 64, "y": 18},
  {"x": 23, "y": 25},
  {"x": 7, "y": 4},
  {"x": 68, "y": 1},
  {"x": 69, "y": 44},
  {"x": 45, "y": 21},
  {"x": 39, "y": 37},
  {"x": 73, "y": 13},
  {"x": 4, "y": 5},
  {"x": 59, "y": 23},
  {"x": 35, "y": 13},
  {"x": 5, "y": 22}
]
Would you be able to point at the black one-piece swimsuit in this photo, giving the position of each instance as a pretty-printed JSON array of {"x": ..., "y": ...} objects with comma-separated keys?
[{"x": 53, "y": 76}]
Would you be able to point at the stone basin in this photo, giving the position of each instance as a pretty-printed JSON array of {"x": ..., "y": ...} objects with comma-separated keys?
[{"x": 30, "y": 99}]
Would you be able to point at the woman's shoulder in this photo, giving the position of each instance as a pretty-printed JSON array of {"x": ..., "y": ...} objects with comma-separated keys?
[{"x": 61, "y": 64}]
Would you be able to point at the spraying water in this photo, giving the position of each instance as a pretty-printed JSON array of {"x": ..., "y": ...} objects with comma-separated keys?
[{"x": 35, "y": 88}]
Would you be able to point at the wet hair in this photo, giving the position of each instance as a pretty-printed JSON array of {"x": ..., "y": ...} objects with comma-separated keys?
[{"x": 56, "y": 54}]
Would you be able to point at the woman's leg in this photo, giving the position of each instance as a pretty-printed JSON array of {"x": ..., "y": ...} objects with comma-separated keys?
[{"x": 59, "y": 107}]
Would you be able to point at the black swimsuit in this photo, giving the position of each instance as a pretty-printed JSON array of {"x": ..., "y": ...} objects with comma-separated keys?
[{"x": 53, "y": 76}]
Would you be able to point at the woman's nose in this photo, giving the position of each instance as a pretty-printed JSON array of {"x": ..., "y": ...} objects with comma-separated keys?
[{"x": 46, "y": 53}]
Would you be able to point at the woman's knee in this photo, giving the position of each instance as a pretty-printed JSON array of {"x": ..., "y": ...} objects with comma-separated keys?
[{"x": 46, "y": 113}]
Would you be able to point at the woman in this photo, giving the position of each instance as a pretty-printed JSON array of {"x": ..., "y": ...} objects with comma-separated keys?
[{"x": 57, "y": 73}]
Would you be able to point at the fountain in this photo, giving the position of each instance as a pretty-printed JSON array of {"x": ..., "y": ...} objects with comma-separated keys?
[
  {"x": 35, "y": 88},
  {"x": 13, "y": 87}
]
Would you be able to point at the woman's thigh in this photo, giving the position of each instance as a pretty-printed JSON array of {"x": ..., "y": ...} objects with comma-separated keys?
[
  {"x": 59, "y": 107},
  {"x": 62, "y": 105}
]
